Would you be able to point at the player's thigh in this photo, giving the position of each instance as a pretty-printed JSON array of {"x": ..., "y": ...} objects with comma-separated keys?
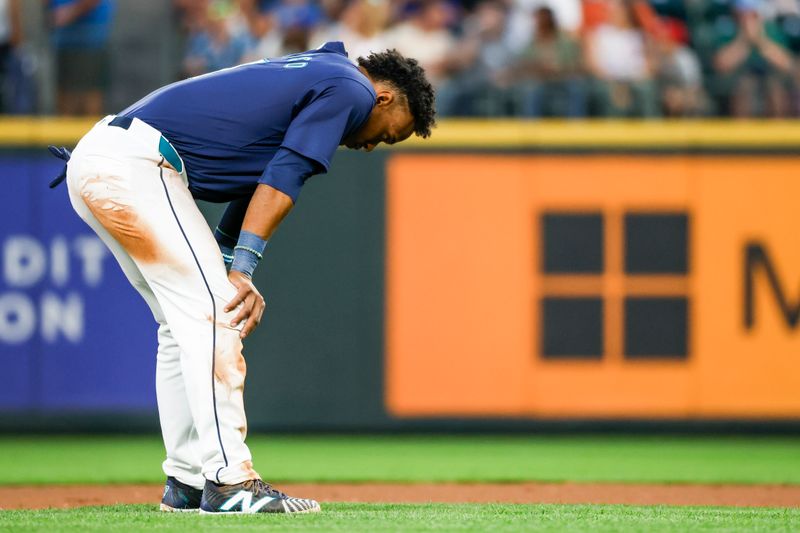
[
  {"x": 149, "y": 211},
  {"x": 192, "y": 286},
  {"x": 79, "y": 171},
  {"x": 190, "y": 237}
]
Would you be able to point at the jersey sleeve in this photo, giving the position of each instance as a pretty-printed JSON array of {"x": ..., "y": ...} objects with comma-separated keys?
[
  {"x": 338, "y": 108},
  {"x": 288, "y": 171}
]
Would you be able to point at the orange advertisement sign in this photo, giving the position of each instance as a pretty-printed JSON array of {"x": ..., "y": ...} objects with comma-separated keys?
[{"x": 593, "y": 286}]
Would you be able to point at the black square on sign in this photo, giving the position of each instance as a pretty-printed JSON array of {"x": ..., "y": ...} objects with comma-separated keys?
[
  {"x": 656, "y": 243},
  {"x": 656, "y": 327},
  {"x": 572, "y": 327},
  {"x": 572, "y": 243}
]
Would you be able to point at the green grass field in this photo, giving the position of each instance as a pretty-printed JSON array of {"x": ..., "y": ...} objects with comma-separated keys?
[
  {"x": 428, "y": 458},
  {"x": 46, "y": 460},
  {"x": 442, "y": 517}
]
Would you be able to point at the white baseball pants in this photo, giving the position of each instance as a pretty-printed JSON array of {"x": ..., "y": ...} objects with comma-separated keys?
[{"x": 140, "y": 206}]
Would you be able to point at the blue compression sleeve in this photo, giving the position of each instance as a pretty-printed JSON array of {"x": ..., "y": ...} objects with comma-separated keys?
[
  {"x": 288, "y": 171},
  {"x": 226, "y": 245},
  {"x": 227, "y": 231},
  {"x": 248, "y": 252}
]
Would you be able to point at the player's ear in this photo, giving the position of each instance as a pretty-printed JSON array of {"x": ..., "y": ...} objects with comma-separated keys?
[{"x": 384, "y": 98}]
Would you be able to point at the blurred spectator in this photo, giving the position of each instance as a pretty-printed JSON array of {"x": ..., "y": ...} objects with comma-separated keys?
[
  {"x": 521, "y": 20},
  {"x": 675, "y": 9},
  {"x": 754, "y": 65},
  {"x": 266, "y": 37},
  {"x": 279, "y": 27},
  {"x": 426, "y": 37},
  {"x": 80, "y": 36},
  {"x": 549, "y": 73},
  {"x": 332, "y": 10},
  {"x": 213, "y": 45},
  {"x": 679, "y": 72},
  {"x": 775, "y": 9},
  {"x": 296, "y": 19},
  {"x": 594, "y": 13},
  {"x": 362, "y": 28},
  {"x": 618, "y": 55},
  {"x": 192, "y": 14},
  {"x": 10, "y": 40},
  {"x": 569, "y": 58},
  {"x": 478, "y": 64}
]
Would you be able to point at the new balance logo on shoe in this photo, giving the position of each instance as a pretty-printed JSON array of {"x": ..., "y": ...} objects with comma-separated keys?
[{"x": 246, "y": 499}]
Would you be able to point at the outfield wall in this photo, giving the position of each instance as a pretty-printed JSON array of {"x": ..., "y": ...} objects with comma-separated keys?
[{"x": 506, "y": 271}]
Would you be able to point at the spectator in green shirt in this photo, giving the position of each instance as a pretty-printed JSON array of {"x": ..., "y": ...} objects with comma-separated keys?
[
  {"x": 679, "y": 72},
  {"x": 753, "y": 65}
]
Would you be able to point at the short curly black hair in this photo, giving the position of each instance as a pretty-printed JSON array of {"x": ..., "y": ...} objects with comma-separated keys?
[{"x": 409, "y": 78}]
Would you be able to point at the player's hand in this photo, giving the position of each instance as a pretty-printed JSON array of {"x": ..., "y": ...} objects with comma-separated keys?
[{"x": 252, "y": 303}]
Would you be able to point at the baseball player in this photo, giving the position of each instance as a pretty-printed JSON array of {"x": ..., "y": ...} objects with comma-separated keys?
[{"x": 249, "y": 135}]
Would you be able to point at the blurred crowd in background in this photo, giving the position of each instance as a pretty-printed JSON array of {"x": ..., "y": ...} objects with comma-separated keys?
[{"x": 529, "y": 58}]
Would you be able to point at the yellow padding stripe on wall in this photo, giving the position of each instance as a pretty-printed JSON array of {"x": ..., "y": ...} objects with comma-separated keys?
[
  {"x": 36, "y": 131},
  {"x": 456, "y": 133},
  {"x": 611, "y": 134}
]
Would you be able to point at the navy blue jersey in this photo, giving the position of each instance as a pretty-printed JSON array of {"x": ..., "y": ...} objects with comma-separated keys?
[{"x": 228, "y": 125}]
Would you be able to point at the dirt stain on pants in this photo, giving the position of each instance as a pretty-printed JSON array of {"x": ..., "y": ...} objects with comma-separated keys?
[
  {"x": 121, "y": 221},
  {"x": 230, "y": 367},
  {"x": 230, "y": 370}
]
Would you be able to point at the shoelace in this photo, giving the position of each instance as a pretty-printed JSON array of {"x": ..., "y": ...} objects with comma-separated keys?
[{"x": 259, "y": 486}]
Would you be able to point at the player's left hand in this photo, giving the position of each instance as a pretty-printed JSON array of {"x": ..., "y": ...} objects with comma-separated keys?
[{"x": 253, "y": 304}]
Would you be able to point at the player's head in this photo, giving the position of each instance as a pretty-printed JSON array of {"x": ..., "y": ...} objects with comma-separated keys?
[{"x": 404, "y": 103}]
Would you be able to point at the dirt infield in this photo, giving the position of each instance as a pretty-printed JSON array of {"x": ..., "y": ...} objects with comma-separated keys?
[{"x": 30, "y": 497}]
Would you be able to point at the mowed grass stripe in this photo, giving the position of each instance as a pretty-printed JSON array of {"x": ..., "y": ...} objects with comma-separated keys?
[
  {"x": 431, "y": 517},
  {"x": 137, "y": 459}
]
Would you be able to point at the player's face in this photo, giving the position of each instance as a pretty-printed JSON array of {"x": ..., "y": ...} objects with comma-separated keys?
[{"x": 390, "y": 122}]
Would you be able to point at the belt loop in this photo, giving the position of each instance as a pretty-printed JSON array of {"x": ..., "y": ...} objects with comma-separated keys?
[{"x": 121, "y": 122}]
